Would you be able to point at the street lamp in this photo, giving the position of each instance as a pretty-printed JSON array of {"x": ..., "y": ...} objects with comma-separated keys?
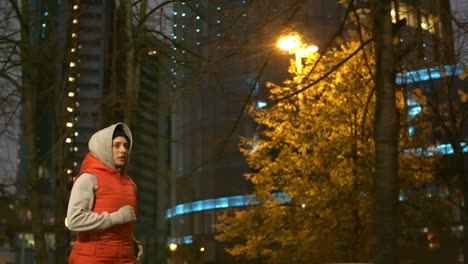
[
  {"x": 292, "y": 43},
  {"x": 173, "y": 246}
]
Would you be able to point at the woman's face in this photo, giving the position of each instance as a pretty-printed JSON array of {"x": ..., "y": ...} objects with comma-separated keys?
[{"x": 120, "y": 151}]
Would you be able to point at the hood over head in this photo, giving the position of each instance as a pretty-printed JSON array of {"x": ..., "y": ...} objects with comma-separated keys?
[{"x": 100, "y": 144}]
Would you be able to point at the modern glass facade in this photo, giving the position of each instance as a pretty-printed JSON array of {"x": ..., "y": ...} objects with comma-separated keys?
[{"x": 224, "y": 53}]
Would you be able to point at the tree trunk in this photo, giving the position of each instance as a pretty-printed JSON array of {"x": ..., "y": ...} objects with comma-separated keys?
[
  {"x": 61, "y": 200},
  {"x": 130, "y": 89},
  {"x": 29, "y": 122},
  {"x": 386, "y": 141},
  {"x": 460, "y": 167},
  {"x": 140, "y": 51}
]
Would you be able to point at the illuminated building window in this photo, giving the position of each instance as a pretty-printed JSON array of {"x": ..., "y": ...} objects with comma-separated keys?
[
  {"x": 428, "y": 74},
  {"x": 409, "y": 13},
  {"x": 180, "y": 240},
  {"x": 261, "y": 104}
]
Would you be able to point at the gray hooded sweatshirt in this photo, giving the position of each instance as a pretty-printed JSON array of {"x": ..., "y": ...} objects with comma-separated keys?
[{"x": 80, "y": 216}]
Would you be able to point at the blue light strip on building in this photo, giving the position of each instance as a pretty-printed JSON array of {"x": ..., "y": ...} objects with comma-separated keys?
[
  {"x": 244, "y": 200},
  {"x": 219, "y": 203},
  {"x": 429, "y": 74},
  {"x": 444, "y": 149}
]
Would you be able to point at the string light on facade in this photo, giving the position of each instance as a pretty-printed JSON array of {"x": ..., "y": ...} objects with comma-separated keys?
[{"x": 71, "y": 88}]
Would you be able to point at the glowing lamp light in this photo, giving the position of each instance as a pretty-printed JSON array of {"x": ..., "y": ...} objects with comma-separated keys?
[
  {"x": 289, "y": 42},
  {"x": 294, "y": 46},
  {"x": 173, "y": 246},
  {"x": 309, "y": 49}
]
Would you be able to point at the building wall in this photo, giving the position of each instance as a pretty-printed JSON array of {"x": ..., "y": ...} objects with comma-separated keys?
[
  {"x": 94, "y": 40},
  {"x": 149, "y": 166},
  {"x": 459, "y": 9}
]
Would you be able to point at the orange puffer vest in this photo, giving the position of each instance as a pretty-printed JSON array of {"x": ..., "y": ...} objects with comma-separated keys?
[{"x": 115, "y": 245}]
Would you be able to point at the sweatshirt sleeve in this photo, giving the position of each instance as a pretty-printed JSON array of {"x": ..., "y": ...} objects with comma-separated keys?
[{"x": 80, "y": 216}]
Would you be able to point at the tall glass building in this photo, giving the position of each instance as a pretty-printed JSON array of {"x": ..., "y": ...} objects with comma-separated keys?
[
  {"x": 84, "y": 33},
  {"x": 224, "y": 53}
]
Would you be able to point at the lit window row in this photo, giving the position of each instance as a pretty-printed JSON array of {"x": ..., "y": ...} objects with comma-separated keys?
[
  {"x": 428, "y": 74},
  {"x": 426, "y": 21},
  {"x": 180, "y": 240},
  {"x": 444, "y": 149}
]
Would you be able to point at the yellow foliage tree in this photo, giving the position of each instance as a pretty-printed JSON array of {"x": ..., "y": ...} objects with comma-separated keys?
[{"x": 312, "y": 166}]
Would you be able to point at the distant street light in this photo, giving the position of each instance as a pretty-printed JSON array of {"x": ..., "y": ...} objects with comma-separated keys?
[
  {"x": 173, "y": 246},
  {"x": 292, "y": 43}
]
